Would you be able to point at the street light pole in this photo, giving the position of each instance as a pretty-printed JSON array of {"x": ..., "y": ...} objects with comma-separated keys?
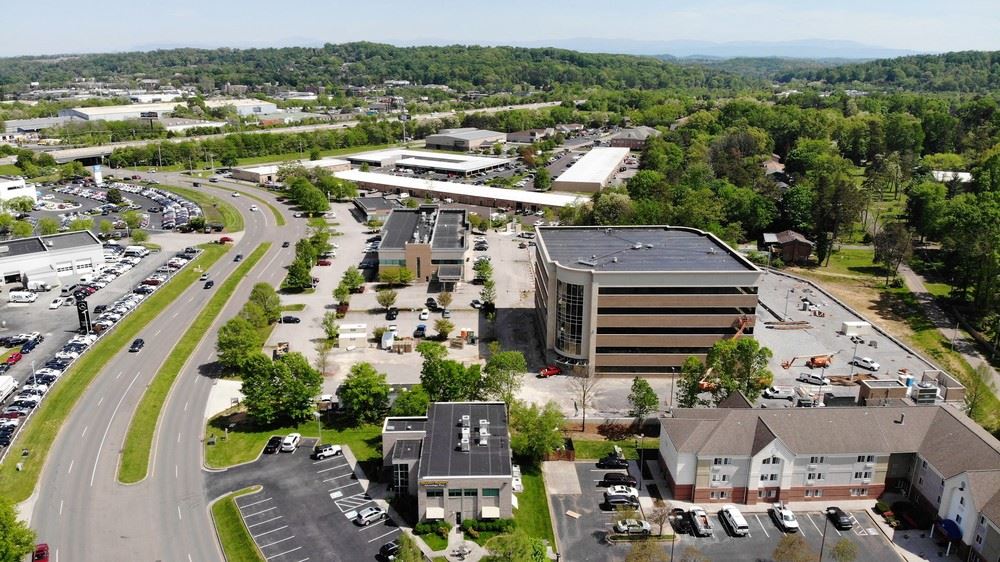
[
  {"x": 639, "y": 450},
  {"x": 787, "y": 294},
  {"x": 822, "y": 543},
  {"x": 319, "y": 427}
]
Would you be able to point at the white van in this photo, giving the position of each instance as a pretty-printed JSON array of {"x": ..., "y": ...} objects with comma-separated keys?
[
  {"x": 136, "y": 251},
  {"x": 22, "y": 296},
  {"x": 734, "y": 520},
  {"x": 7, "y": 386}
]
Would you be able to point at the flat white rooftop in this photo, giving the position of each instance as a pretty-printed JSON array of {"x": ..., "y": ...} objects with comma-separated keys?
[
  {"x": 162, "y": 106},
  {"x": 460, "y": 163},
  {"x": 446, "y": 189},
  {"x": 595, "y": 166}
]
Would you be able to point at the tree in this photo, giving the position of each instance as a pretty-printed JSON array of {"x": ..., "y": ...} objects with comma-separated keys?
[
  {"x": 114, "y": 196},
  {"x": 893, "y": 246},
  {"x": 504, "y": 374},
  {"x": 106, "y": 227},
  {"x": 489, "y": 292},
  {"x": 535, "y": 431},
  {"x": 364, "y": 395},
  {"x": 408, "y": 549},
  {"x": 517, "y": 546},
  {"x": 342, "y": 293},
  {"x": 21, "y": 204},
  {"x": 353, "y": 278},
  {"x": 254, "y": 314},
  {"x": 484, "y": 270},
  {"x": 646, "y": 551},
  {"x": 21, "y": 229},
  {"x": 444, "y": 299},
  {"x": 647, "y": 184},
  {"x": 405, "y": 276},
  {"x": 660, "y": 515},
  {"x": 313, "y": 201},
  {"x": 642, "y": 399},
  {"x": 299, "y": 275},
  {"x": 323, "y": 348},
  {"x": 978, "y": 389},
  {"x": 411, "y": 402},
  {"x": 17, "y": 540},
  {"x": 236, "y": 341},
  {"x": 386, "y": 298},
  {"x": 139, "y": 236},
  {"x": 47, "y": 226},
  {"x": 261, "y": 388},
  {"x": 132, "y": 219},
  {"x": 612, "y": 208},
  {"x": 444, "y": 327},
  {"x": 740, "y": 365},
  {"x": 264, "y": 296},
  {"x": 845, "y": 550},
  {"x": 793, "y": 548},
  {"x": 688, "y": 383},
  {"x": 330, "y": 328},
  {"x": 299, "y": 383},
  {"x": 446, "y": 380},
  {"x": 543, "y": 179},
  {"x": 585, "y": 390}
]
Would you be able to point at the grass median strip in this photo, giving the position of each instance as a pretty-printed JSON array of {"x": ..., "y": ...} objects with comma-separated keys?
[
  {"x": 39, "y": 434},
  {"x": 138, "y": 442},
  {"x": 237, "y": 544},
  {"x": 215, "y": 209}
]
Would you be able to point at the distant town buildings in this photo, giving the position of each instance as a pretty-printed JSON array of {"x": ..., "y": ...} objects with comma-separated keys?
[
  {"x": 635, "y": 138},
  {"x": 463, "y": 139}
]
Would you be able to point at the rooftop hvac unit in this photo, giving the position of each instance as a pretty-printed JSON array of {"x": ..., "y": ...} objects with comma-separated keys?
[
  {"x": 466, "y": 420},
  {"x": 465, "y": 433},
  {"x": 464, "y": 444},
  {"x": 484, "y": 423},
  {"x": 484, "y": 440}
]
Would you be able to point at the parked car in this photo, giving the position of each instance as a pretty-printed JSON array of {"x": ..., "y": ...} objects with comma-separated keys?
[
  {"x": 839, "y": 519},
  {"x": 421, "y": 331},
  {"x": 612, "y": 461},
  {"x": 431, "y": 303},
  {"x": 549, "y": 371},
  {"x": 13, "y": 358},
  {"x": 866, "y": 363},
  {"x": 812, "y": 378},
  {"x": 325, "y": 451},
  {"x": 324, "y": 262},
  {"x": 225, "y": 240},
  {"x": 679, "y": 521},
  {"x": 235, "y": 194},
  {"x": 617, "y": 479},
  {"x": 620, "y": 489},
  {"x": 779, "y": 393},
  {"x": 784, "y": 518},
  {"x": 392, "y": 313},
  {"x": 389, "y": 550},
  {"x": 632, "y": 527},
  {"x": 137, "y": 345},
  {"x": 701, "y": 525},
  {"x": 424, "y": 314},
  {"x": 285, "y": 244},
  {"x": 290, "y": 320},
  {"x": 369, "y": 515},
  {"x": 476, "y": 303},
  {"x": 290, "y": 442},
  {"x": 445, "y": 313},
  {"x": 734, "y": 521},
  {"x": 41, "y": 553},
  {"x": 273, "y": 444}
]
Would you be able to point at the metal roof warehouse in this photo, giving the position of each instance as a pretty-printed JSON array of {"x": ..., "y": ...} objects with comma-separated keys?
[
  {"x": 460, "y": 192},
  {"x": 593, "y": 171},
  {"x": 424, "y": 160}
]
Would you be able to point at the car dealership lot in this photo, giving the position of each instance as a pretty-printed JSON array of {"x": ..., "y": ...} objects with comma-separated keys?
[
  {"x": 306, "y": 508},
  {"x": 582, "y": 524}
]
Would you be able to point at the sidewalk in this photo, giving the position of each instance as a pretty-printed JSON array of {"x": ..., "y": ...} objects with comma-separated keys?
[{"x": 963, "y": 342}]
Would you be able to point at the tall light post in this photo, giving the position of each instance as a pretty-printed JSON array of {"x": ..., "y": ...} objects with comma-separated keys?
[
  {"x": 822, "y": 543},
  {"x": 319, "y": 427},
  {"x": 787, "y": 294},
  {"x": 638, "y": 442}
]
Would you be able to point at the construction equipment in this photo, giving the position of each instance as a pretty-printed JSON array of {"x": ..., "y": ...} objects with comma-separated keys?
[{"x": 815, "y": 361}]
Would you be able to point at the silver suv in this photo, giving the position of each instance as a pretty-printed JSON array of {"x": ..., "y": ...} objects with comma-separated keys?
[{"x": 369, "y": 515}]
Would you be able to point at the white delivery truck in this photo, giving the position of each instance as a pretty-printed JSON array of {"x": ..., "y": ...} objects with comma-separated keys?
[
  {"x": 7, "y": 386},
  {"x": 38, "y": 286},
  {"x": 22, "y": 296}
]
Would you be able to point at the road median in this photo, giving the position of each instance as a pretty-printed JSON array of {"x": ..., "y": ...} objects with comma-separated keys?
[
  {"x": 136, "y": 453},
  {"x": 237, "y": 544},
  {"x": 16, "y": 485}
]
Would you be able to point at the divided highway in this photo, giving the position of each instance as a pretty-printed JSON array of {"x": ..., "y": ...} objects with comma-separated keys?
[{"x": 80, "y": 509}]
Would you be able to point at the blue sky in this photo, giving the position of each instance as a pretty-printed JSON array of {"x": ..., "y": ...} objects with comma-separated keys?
[{"x": 64, "y": 26}]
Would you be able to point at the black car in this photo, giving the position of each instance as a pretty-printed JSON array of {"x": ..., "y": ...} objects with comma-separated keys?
[
  {"x": 27, "y": 347},
  {"x": 138, "y": 344},
  {"x": 273, "y": 444},
  {"x": 389, "y": 550},
  {"x": 839, "y": 519},
  {"x": 100, "y": 308},
  {"x": 239, "y": 257},
  {"x": 617, "y": 479},
  {"x": 290, "y": 320},
  {"x": 680, "y": 521},
  {"x": 612, "y": 461},
  {"x": 285, "y": 244},
  {"x": 392, "y": 313},
  {"x": 209, "y": 284}
]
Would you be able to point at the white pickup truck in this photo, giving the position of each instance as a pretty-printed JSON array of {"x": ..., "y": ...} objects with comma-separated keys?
[{"x": 701, "y": 525}]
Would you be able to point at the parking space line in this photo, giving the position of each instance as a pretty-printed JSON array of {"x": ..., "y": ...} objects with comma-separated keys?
[
  {"x": 331, "y": 468},
  {"x": 259, "y": 512},
  {"x": 255, "y": 503},
  {"x": 288, "y": 538},
  {"x": 344, "y": 486},
  {"x": 396, "y": 530},
  {"x": 271, "y": 531},
  {"x": 766, "y": 534},
  {"x": 265, "y": 522},
  {"x": 341, "y": 476},
  {"x": 285, "y": 552},
  {"x": 373, "y": 525},
  {"x": 814, "y": 524},
  {"x": 304, "y": 559}
]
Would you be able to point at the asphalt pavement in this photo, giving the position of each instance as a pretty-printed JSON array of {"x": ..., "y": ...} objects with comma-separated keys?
[{"x": 80, "y": 509}]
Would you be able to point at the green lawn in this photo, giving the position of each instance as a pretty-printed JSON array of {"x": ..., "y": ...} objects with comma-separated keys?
[
  {"x": 236, "y": 541},
  {"x": 532, "y": 515},
  {"x": 597, "y": 448},
  {"x": 434, "y": 541},
  {"x": 38, "y": 436},
  {"x": 139, "y": 440},
  {"x": 10, "y": 170},
  {"x": 215, "y": 209},
  {"x": 247, "y": 439}
]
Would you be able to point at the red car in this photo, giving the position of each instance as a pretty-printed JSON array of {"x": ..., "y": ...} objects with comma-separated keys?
[
  {"x": 549, "y": 371},
  {"x": 225, "y": 240},
  {"x": 41, "y": 553},
  {"x": 13, "y": 358},
  {"x": 324, "y": 262}
]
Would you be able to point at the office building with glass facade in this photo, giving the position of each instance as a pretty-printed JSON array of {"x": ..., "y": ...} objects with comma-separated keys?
[{"x": 639, "y": 300}]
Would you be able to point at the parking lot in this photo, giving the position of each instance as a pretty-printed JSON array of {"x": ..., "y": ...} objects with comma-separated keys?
[
  {"x": 582, "y": 524},
  {"x": 306, "y": 508}
]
